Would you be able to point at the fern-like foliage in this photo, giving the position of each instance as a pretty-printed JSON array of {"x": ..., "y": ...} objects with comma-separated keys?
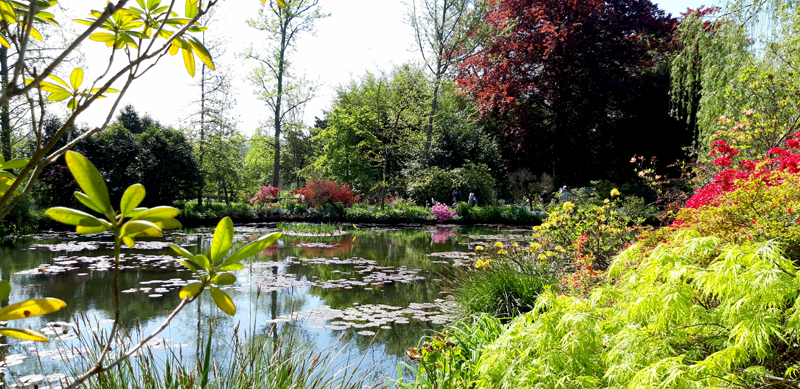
[{"x": 692, "y": 313}]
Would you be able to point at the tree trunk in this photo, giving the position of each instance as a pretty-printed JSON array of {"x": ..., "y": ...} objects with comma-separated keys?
[
  {"x": 276, "y": 168},
  {"x": 5, "y": 120},
  {"x": 429, "y": 131},
  {"x": 202, "y": 127}
]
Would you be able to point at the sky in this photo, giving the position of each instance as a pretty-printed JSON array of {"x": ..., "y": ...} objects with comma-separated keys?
[{"x": 360, "y": 35}]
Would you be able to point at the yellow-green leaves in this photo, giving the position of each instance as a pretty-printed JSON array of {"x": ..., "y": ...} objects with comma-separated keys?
[
  {"x": 191, "y": 290},
  {"x": 129, "y": 27},
  {"x": 281, "y": 3},
  {"x": 26, "y": 309},
  {"x": 223, "y": 238},
  {"x": 90, "y": 181},
  {"x": 12, "y": 12},
  {"x": 220, "y": 246},
  {"x": 61, "y": 90},
  {"x": 223, "y": 301},
  {"x": 75, "y": 217},
  {"x": 252, "y": 248},
  {"x": 132, "y": 197}
]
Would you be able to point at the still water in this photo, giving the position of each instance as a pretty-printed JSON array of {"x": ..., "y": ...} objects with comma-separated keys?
[{"x": 382, "y": 288}]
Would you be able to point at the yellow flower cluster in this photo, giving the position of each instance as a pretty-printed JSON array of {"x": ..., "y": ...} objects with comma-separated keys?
[
  {"x": 481, "y": 263},
  {"x": 498, "y": 245},
  {"x": 501, "y": 252},
  {"x": 478, "y": 248},
  {"x": 568, "y": 206},
  {"x": 615, "y": 192}
]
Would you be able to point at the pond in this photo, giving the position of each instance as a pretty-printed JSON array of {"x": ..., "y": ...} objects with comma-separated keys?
[{"x": 380, "y": 287}]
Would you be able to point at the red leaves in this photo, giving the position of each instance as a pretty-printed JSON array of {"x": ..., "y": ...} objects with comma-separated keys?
[
  {"x": 266, "y": 194},
  {"x": 321, "y": 192}
]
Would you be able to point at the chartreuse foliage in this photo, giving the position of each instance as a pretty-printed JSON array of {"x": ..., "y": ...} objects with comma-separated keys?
[
  {"x": 15, "y": 12},
  {"x": 25, "y": 309},
  {"x": 209, "y": 267},
  {"x": 692, "y": 313}
]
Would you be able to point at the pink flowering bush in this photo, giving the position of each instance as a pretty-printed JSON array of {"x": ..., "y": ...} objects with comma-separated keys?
[
  {"x": 266, "y": 194},
  {"x": 442, "y": 212}
]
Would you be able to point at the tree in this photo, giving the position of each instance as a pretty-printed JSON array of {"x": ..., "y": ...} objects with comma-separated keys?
[
  {"x": 446, "y": 32},
  {"x": 574, "y": 83},
  {"x": 128, "y": 32},
  {"x": 272, "y": 76}
]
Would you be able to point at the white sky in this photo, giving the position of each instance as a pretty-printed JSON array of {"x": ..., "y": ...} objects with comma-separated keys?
[{"x": 359, "y": 35}]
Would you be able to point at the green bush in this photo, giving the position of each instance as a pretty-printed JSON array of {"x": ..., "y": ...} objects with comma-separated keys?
[{"x": 438, "y": 184}]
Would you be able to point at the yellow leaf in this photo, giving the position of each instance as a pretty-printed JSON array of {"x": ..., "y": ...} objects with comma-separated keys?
[
  {"x": 281, "y": 3},
  {"x": 132, "y": 197},
  {"x": 224, "y": 279},
  {"x": 223, "y": 237},
  {"x": 4, "y": 42},
  {"x": 128, "y": 241},
  {"x": 76, "y": 78},
  {"x": 202, "y": 52},
  {"x": 135, "y": 226},
  {"x": 181, "y": 251},
  {"x": 158, "y": 214},
  {"x": 223, "y": 301},
  {"x": 170, "y": 224},
  {"x": 31, "y": 308},
  {"x": 90, "y": 181},
  {"x": 188, "y": 60},
  {"x": 190, "y": 290},
  {"x": 21, "y": 333},
  {"x": 59, "y": 96},
  {"x": 74, "y": 217},
  {"x": 90, "y": 230}
]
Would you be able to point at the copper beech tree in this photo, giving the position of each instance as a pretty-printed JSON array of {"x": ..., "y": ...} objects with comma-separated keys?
[{"x": 572, "y": 80}]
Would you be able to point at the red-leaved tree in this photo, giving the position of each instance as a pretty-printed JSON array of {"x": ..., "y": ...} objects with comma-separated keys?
[
  {"x": 321, "y": 192},
  {"x": 266, "y": 194},
  {"x": 575, "y": 82}
]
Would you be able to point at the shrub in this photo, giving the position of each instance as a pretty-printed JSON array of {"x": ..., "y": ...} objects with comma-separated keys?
[
  {"x": 693, "y": 312},
  {"x": 438, "y": 184},
  {"x": 442, "y": 212},
  {"x": 321, "y": 192},
  {"x": 266, "y": 194}
]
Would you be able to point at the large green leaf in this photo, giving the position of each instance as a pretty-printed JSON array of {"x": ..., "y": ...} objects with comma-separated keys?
[
  {"x": 191, "y": 290},
  {"x": 223, "y": 237},
  {"x": 223, "y": 301},
  {"x": 132, "y": 197},
  {"x": 31, "y": 308},
  {"x": 90, "y": 181},
  {"x": 91, "y": 230},
  {"x": 232, "y": 267},
  {"x": 224, "y": 279},
  {"x": 85, "y": 200},
  {"x": 15, "y": 163},
  {"x": 252, "y": 248},
  {"x": 158, "y": 214},
  {"x": 135, "y": 226},
  {"x": 76, "y": 78},
  {"x": 181, "y": 251},
  {"x": 170, "y": 224},
  {"x": 74, "y": 217},
  {"x": 202, "y": 261}
]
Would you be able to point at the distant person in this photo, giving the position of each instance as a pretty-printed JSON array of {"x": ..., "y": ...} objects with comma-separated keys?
[
  {"x": 456, "y": 195},
  {"x": 563, "y": 195},
  {"x": 474, "y": 196}
]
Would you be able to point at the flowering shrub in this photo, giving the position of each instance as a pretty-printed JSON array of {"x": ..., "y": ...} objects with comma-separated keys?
[
  {"x": 442, "y": 212},
  {"x": 266, "y": 194},
  {"x": 779, "y": 160},
  {"x": 321, "y": 192}
]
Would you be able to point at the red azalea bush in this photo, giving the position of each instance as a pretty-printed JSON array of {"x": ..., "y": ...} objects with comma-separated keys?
[
  {"x": 786, "y": 160},
  {"x": 266, "y": 194},
  {"x": 321, "y": 192}
]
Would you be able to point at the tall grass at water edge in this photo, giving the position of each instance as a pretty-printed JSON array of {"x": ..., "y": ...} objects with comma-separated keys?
[{"x": 283, "y": 361}]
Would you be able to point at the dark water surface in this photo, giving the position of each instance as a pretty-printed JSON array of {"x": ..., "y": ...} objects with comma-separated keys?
[{"x": 380, "y": 287}]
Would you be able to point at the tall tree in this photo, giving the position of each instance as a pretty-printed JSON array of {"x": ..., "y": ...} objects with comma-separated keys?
[
  {"x": 446, "y": 32},
  {"x": 272, "y": 76},
  {"x": 574, "y": 83}
]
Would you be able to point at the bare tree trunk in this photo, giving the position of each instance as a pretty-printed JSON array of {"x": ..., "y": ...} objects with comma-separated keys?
[
  {"x": 5, "y": 120},
  {"x": 202, "y": 127},
  {"x": 276, "y": 168}
]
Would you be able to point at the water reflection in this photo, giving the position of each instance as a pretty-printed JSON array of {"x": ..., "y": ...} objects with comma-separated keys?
[{"x": 365, "y": 277}]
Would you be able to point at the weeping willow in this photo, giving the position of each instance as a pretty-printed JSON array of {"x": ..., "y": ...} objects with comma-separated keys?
[{"x": 738, "y": 59}]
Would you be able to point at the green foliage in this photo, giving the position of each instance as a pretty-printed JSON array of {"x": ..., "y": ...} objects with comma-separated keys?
[
  {"x": 497, "y": 286},
  {"x": 689, "y": 313},
  {"x": 397, "y": 212},
  {"x": 447, "y": 360},
  {"x": 212, "y": 210},
  {"x": 512, "y": 214},
  {"x": 210, "y": 268},
  {"x": 438, "y": 185}
]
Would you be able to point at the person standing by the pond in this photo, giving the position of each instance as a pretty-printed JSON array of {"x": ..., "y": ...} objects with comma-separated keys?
[
  {"x": 474, "y": 195},
  {"x": 456, "y": 194},
  {"x": 563, "y": 195}
]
